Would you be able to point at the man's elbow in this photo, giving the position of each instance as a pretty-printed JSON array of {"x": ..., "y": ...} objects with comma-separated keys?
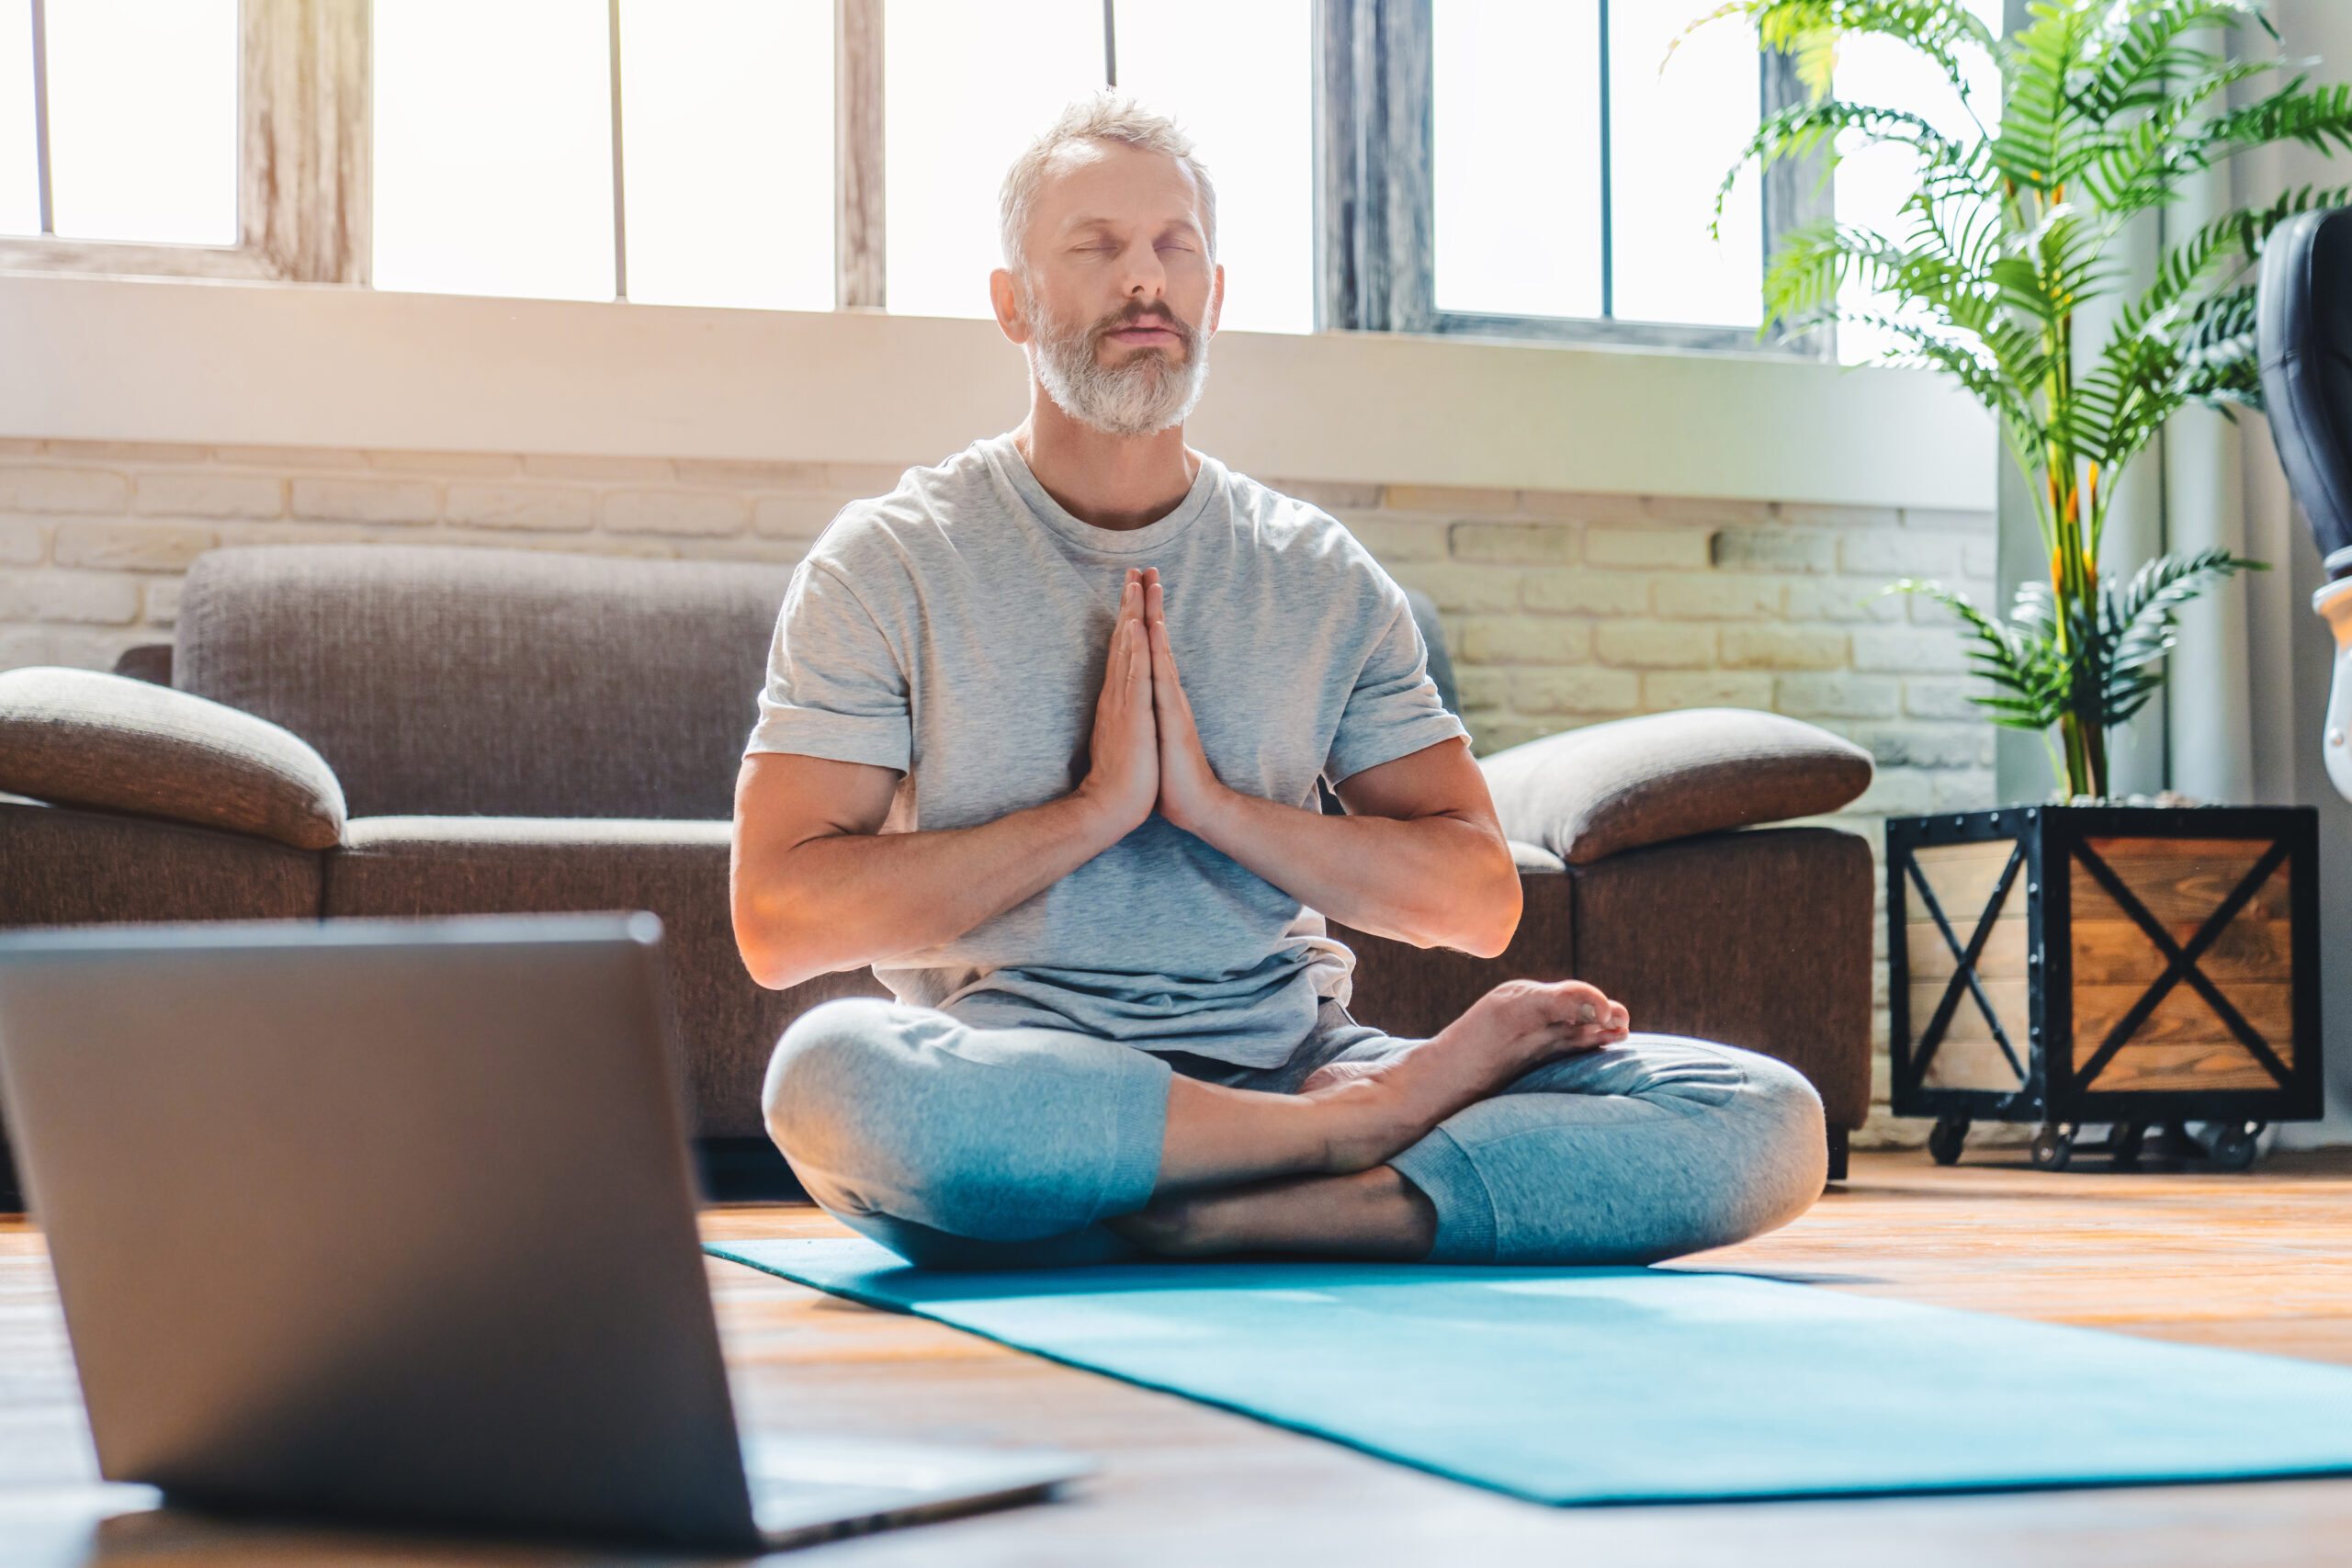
[
  {"x": 777, "y": 955},
  {"x": 1484, "y": 913}
]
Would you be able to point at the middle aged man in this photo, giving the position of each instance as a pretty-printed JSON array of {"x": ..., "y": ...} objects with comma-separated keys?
[{"x": 1040, "y": 742}]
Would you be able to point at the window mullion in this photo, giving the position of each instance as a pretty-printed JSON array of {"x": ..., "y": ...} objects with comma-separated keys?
[
  {"x": 1797, "y": 191},
  {"x": 859, "y": 255},
  {"x": 305, "y": 163}
]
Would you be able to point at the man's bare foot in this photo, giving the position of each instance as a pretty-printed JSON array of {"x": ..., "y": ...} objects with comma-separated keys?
[
  {"x": 1380, "y": 1108},
  {"x": 1375, "y": 1213}
]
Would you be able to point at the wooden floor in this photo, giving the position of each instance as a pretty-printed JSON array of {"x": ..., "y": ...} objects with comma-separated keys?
[{"x": 2261, "y": 1261}]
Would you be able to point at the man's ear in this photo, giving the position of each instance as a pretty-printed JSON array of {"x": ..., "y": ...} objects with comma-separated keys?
[
  {"x": 1007, "y": 300},
  {"x": 1217, "y": 299}
]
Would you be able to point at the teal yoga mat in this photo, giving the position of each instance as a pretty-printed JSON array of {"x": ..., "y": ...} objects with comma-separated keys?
[{"x": 1638, "y": 1385}]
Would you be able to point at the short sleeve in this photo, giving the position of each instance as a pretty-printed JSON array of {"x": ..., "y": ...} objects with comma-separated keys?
[
  {"x": 1393, "y": 710},
  {"x": 835, "y": 689}
]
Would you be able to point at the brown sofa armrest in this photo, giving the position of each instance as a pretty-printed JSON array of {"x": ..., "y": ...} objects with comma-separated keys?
[
  {"x": 1609, "y": 787},
  {"x": 111, "y": 743}
]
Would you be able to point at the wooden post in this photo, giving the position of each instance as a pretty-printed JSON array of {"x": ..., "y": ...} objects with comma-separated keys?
[
  {"x": 304, "y": 187},
  {"x": 859, "y": 255}
]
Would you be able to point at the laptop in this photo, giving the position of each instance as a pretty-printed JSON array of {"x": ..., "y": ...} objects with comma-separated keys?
[{"x": 394, "y": 1222}]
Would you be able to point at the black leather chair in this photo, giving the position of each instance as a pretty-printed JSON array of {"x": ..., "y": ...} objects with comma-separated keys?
[{"x": 2306, "y": 342}]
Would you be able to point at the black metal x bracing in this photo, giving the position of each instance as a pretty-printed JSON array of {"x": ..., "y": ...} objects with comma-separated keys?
[
  {"x": 2180, "y": 963},
  {"x": 1965, "y": 975}
]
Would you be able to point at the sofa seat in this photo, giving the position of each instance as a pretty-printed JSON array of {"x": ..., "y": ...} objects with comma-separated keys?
[
  {"x": 63, "y": 867},
  {"x": 405, "y": 866}
]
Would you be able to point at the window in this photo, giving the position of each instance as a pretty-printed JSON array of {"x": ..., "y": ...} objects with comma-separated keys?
[
  {"x": 1518, "y": 168},
  {"x": 122, "y": 120}
]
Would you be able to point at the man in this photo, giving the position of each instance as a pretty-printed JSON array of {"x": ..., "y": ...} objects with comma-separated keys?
[{"x": 1040, "y": 741}]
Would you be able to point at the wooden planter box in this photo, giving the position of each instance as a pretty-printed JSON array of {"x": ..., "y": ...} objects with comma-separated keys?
[{"x": 2134, "y": 966}]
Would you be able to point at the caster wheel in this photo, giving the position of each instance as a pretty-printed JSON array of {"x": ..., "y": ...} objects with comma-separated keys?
[
  {"x": 2052, "y": 1148},
  {"x": 1945, "y": 1140},
  {"x": 2234, "y": 1145},
  {"x": 2124, "y": 1144}
]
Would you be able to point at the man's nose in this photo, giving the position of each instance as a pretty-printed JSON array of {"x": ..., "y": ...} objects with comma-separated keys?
[{"x": 1142, "y": 275}]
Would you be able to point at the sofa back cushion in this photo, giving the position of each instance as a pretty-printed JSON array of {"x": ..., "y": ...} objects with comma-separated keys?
[{"x": 492, "y": 683}]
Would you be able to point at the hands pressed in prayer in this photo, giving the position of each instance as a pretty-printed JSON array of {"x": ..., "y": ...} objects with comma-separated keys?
[
  {"x": 1122, "y": 772},
  {"x": 1189, "y": 788}
]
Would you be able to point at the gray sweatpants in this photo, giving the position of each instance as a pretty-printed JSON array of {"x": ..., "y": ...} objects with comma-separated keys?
[{"x": 990, "y": 1148}]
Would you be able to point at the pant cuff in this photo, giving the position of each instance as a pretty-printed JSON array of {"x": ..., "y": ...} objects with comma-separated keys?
[
  {"x": 1138, "y": 1131},
  {"x": 1465, "y": 1210}
]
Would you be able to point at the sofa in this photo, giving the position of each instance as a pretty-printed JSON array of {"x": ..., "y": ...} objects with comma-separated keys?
[{"x": 388, "y": 730}]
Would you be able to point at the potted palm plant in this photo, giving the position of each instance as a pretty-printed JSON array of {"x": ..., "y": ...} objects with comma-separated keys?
[{"x": 2084, "y": 961}]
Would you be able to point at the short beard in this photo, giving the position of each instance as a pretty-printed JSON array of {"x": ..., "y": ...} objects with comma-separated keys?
[{"x": 1145, "y": 394}]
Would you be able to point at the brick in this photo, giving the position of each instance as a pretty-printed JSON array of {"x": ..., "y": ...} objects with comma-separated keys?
[
  {"x": 1798, "y": 514},
  {"x": 1839, "y": 696},
  {"x": 794, "y": 516},
  {"x": 1576, "y": 506},
  {"x": 20, "y": 446},
  {"x": 567, "y": 543},
  {"x": 1947, "y": 521},
  {"x": 21, "y": 542},
  {"x": 160, "y": 603},
  {"x": 1670, "y": 549},
  {"x": 94, "y": 598},
  {"x": 1665, "y": 692},
  {"x": 1522, "y": 641},
  {"x": 131, "y": 547},
  {"x": 675, "y": 511},
  {"x": 1693, "y": 513},
  {"x": 1947, "y": 699},
  {"x": 1921, "y": 745},
  {"x": 62, "y": 489},
  {"x": 292, "y": 459},
  {"x": 1502, "y": 734},
  {"x": 1521, "y": 544},
  {"x": 469, "y": 465},
  {"x": 1896, "y": 791},
  {"x": 209, "y": 495},
  {"x": 864, "y": 479},
  {"x": 1847, "y": 600},
  {"x": 776, "y": 552},
  {"x": 1462, "y": 590},
  {"x": 597, "y": 468},
  {"x": 1328, "y": 494},
  {"x": 125, "y": 451},
  {"x": 1908, "y": 650},
  {"x": 543, "y": 508},
  {"x": 20, "y": 646},
  {"x": 1772, "y": 549},
  {"x": 1571, "y": 590},
  {"x": 1719, "y": 597},
  {"x": 1652, "y": 645},
  {"x": 1783, "y": 647},
  {"x": 1590, "y": 691},
  {"x": 366, "y": 500},
  {"x": 744, "y": 474},
  {"x": 1398, "y": 538},
  {"x": 1482, "y": 688},
  {"x": 1971, "y": 791},
  {"x": 1450, "y": 498},
  {"x": 1896, "y": 552}
]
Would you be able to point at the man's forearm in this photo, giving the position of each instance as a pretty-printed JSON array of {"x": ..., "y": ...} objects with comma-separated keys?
[
  {"x": 845, "y": 900},
  {"x": 1436, "y": 881}
]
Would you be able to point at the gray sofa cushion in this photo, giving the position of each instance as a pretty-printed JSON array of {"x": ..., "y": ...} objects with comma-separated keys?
[
  {"x": 78, "y": 738},
  {"x": 1614, "y": 786},
  {"x": 492, "y": 683},
  {"x": 464, "y": 866},
  {"x": 63, "y": 867}
]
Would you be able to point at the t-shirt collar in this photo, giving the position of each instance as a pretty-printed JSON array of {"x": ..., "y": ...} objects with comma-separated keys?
[{"x": 1005, "y": 458}]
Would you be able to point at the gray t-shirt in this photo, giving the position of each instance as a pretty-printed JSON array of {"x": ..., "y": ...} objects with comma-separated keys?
[{"x": 956, "y": 630}]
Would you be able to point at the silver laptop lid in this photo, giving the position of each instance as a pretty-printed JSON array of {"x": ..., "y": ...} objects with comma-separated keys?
[{"x": 377, "y": 1219}]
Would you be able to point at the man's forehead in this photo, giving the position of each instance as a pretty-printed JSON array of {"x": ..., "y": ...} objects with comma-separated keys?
[{"x": 1098, "y": 182}]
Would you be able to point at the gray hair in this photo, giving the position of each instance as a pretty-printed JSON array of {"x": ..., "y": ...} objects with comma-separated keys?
[{"x": 1108, "y": 116}]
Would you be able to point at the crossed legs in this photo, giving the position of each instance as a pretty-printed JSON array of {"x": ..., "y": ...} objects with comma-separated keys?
[{"x": 1533, "y": 1130}]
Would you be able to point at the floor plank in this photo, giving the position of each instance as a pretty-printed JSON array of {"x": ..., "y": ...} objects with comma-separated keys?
[{"x": 2260, "y": 1261}]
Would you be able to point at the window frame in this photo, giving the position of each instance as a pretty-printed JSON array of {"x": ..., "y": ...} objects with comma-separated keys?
[
  {"x": 304, "y": 206},
  {"x": 302, "y": 162},
  {"x": 1374, "y": 152}
]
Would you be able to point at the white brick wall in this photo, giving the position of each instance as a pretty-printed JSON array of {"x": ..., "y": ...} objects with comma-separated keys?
[{"x": 1560, "y": 610}]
